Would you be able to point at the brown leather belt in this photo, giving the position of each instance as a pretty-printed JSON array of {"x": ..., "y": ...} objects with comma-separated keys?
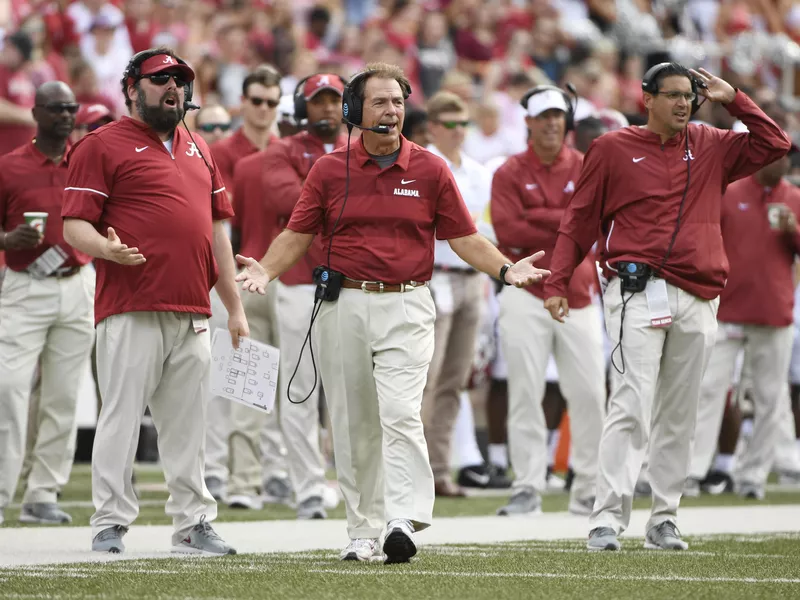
[
  {"x": 380, "y": 287},
  {"x": 65, "y": 272}
]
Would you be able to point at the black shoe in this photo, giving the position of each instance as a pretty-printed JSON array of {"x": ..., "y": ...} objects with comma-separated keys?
[
  {"x": 498, "y": 477},
  {"x": 717, "y": 482},
  {"x": 484, "y": 477},
  {"x": 569, "y": 479}
]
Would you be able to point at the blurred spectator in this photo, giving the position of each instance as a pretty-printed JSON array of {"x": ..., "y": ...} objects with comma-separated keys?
[
  {"x": 108, "y": 54},
  {"x": 415, "y": 127},
  {"x": 486, "y": 140},
  {"x": 435, "y": 55},
  {"x": 84, "y": 85},
  {"x": 586, "y": 131},
  {"x": 213, "y": 123},
  {"x": 16, "y": 92},
  {"x": 89, "y": 118}
]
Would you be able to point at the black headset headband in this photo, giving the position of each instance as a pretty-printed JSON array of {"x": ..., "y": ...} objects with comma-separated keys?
[{"x": 650, "y": 83}]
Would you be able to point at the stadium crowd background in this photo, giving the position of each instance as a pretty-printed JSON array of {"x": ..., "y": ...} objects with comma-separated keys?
[{"x": 489, "y": 52}]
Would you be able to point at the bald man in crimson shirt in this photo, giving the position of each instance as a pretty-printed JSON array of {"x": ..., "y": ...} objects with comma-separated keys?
[
  {"x": 156, "y": 194},
  {"x": 376, "y": 334}
]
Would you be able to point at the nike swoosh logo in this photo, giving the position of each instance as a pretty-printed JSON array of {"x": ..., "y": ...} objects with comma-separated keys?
[
  {"x": 639, "y": 159},
  {"x": 141, "y": 149},
  {"x": 404, "y": 182},
  {"x": 482, "y": 480}
]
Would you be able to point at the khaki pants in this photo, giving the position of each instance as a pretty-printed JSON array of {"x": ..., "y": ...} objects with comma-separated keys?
[
  {"x": 218, "y": 427},
  {"x": 654, "y": 400},
  {"x": 787, "y": 453},
  {"x": 455, "y": 331},
  {"x": 255, "y": 445},
  {"x": 529, "y": 335},
  {"x": 768, "y": 353},
  {"x": 151, "y": 359},
  {"x": 299, "y": 421},
  {"x": 374, "y": 363},
  {"x": 49, "y": 318}
]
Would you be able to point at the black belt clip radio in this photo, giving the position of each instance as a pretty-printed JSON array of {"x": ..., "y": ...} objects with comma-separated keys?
[
  {"x": 633, "y": 276},
  {"x": 329, "y": 283}
]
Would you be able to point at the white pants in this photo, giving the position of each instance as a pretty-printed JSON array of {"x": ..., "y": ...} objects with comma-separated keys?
[
  {"x": 768, "y": 354},
  {"x": 654, "y": 400},
  {"x": 49, "y": 318},
  {"x": 529, "y": 335},
  {"x": 151, "y": 359},
  {"x": 376, "y": 349},
  {"x": 300, "y": 422},
  {"x": 218, "y": 428}
]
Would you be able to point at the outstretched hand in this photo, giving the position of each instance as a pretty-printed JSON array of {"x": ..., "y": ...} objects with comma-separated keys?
[
  {"x": 523, "y": 273},
  {"x": 254, "y": 278},
  {"x": 118, "y": 252}
]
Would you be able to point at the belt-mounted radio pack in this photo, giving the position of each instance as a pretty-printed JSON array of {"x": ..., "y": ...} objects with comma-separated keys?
[
  {"x": 633, "y": 276},
  {"x": 329, "y": 284}
]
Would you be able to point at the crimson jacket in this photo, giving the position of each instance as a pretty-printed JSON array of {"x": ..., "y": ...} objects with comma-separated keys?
[
  {"x": 760, "y": 288},
  {"x": 528, "y": 201},
  {"x": 631, "y": 187}
]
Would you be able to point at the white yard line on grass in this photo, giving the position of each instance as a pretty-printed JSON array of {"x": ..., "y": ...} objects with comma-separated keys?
[
  {"x": 53, "y": 545},
  {"x": 658, "y": 578}
]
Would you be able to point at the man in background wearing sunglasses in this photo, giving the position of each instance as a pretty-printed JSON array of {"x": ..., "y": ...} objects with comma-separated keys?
[
  {"x": 212, "y": 123},
  {"x": 90, "y": 117},
  {"x": 45, "y": 311},
  {"x": 457, "y": 290},
  {"x": 261, "y": 95},
  {"x": 156, "y": 193}
]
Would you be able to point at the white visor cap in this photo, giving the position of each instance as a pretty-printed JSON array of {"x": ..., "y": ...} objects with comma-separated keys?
[{"x": 538, "y": 103}]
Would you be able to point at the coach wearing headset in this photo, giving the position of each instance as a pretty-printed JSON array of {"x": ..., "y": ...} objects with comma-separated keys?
[
  {"x": 530, "y": 193},
  {"x": 156, "y": 195},
  {"x": 652, "y": 196},
  {"x": 375, "y": 321}
]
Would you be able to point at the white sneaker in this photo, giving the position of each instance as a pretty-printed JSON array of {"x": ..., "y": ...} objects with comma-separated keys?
[
  {"x": 362, "y": 549},
  {"x": 399, "y": 544},
  {"x": 245, "y": 501}
]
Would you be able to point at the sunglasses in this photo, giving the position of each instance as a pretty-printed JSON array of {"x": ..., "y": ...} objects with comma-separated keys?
[
  {"x": 259, "y": 101},
  {"x": 163, "y": 79},
  {"x": 453, "y": 124},
  {"x": 58, "y": 107},
  {"x": 210, "y": 127}
]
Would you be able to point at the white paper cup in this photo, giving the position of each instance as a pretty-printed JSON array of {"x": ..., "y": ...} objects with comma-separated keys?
[
  {"x": 774, "y": 212},
  {"x": 37, "y": 220}
]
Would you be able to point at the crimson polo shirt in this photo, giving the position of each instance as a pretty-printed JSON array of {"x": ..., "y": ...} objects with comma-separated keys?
[
  {"x": 31, "y": 182},
  {"x": 163, "y": 203},
  {"x": 230, "y": 150},
  {"x": 386, "y": 232}
]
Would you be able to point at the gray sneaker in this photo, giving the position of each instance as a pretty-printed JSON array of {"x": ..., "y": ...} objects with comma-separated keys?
[
  {"x": 524, "y": 502},
  {"x": 202, "y": 539},
  {"x": 664, "y": 536},
  {"x": 311, "y": 508},
  {"x": 602, "y": 538},
  {"x": 42, "y": 513},
  {"x": 215, "y": 487},
  {"x": 277, "y": 490},
  {"x": 750, "y": 491},
  {"x": 110, "y": 540}
]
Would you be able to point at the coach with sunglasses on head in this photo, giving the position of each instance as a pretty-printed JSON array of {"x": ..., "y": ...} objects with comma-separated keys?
[
  {"x": 377, "y": 205},
  {"x": 650, "y": 198},
  {"x": 45, "y": 310},
  {"x": 156, "y": 195}
]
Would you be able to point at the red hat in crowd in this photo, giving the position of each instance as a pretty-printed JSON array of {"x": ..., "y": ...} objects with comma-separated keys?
[
  {"x": 323, "y": 81},
  {"x": 92, "y": 113}
]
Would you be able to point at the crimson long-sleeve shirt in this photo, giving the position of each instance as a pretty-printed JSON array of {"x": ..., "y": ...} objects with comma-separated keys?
[
  {"x": 760, "y": 287},
  {"x": 528, "y": 200},
  {"x": 630, "y": 191}
]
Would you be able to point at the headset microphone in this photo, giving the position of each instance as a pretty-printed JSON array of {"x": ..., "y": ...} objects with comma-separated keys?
[
  {"x": 187, "y": 106},
  {"x": 377, "y": 129}
]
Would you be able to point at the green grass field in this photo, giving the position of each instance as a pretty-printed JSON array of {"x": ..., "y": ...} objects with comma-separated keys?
[{"x": 715, "y": 567}]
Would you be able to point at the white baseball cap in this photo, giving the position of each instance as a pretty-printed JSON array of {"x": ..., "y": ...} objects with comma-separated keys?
[{"x": 538, "y": 103}]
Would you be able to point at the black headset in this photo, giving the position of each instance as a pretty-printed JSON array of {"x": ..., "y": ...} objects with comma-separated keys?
[
  {"x": 133, "y": 70},
  {"x": 300, "y": 104},
  {"x": 650, "y": 83},
  {"x": 570, "y": 106},
  {"x": 353, "y": 105}
]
